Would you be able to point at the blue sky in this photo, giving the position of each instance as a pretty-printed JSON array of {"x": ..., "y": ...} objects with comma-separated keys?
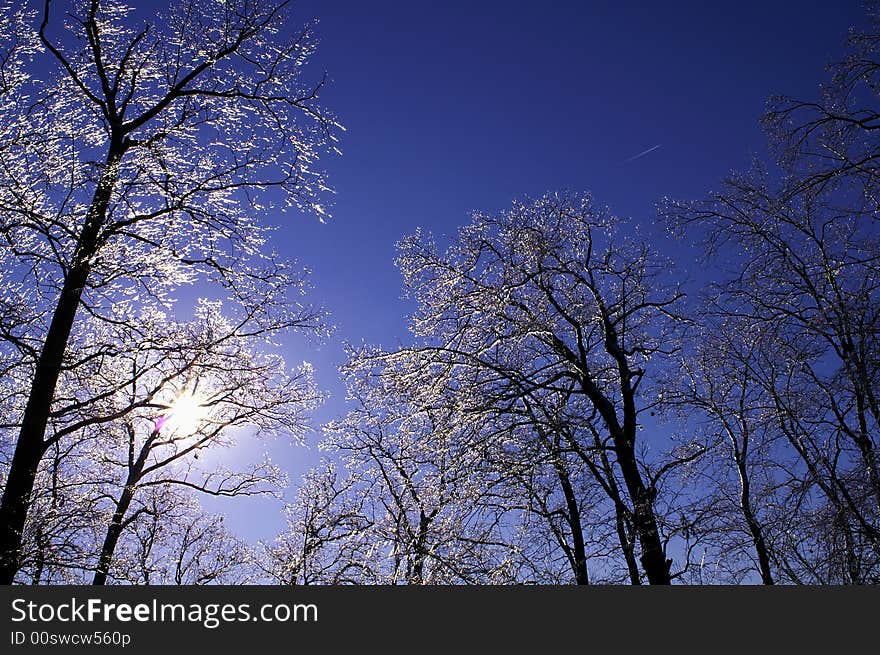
[{"x": 458, "y": 106}]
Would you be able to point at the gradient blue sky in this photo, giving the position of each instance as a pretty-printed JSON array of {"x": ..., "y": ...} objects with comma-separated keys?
[{"x": 458, "y": 106}]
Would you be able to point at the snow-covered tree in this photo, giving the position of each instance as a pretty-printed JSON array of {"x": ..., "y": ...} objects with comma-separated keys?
[
  {"x": 535, "y": 333},
  {"x": 795, "y": 260},
  {"x": 159, "y": 412},
  {"x": 327, "y": 535},
  {"x": 138, "y": 156},
  {"x": 418, "y": 473}
]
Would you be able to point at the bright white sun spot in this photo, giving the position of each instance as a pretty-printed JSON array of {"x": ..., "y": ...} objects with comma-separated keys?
[{"x": 186, "y": 414}]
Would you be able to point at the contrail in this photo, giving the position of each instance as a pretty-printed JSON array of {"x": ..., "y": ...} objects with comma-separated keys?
[{"x": 642, "y": 154}]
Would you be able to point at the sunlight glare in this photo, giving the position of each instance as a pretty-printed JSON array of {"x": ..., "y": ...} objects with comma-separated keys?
[{"x": 186, "y": 413}]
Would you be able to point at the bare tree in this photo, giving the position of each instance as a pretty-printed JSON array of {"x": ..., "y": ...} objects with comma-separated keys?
[
  {"x": 720, "y": 384},
  {"x": 418, "y": 477},
  {"x": 830, "y": 142},
  {"x": 803, "y": 286},
  {"x": 157, "y": 413},
  {"x": 546, "y": 299},
  {"x": 787, "y": 367},
  {"x": 326, "y": 537},
  {"x": 137, "y": 166},
  {"x": 173, "y": 541}
]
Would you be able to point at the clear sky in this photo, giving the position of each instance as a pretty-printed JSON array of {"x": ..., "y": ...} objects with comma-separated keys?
[{"x": 457, "y": 106}]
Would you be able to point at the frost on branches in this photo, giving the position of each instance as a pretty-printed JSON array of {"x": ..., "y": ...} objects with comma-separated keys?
[
  {"x": 506, "y": 444},
  {"x": 140, "y": 155}
]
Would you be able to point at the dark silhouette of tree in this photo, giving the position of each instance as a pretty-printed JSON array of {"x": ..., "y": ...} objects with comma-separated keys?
[
  {"x": 171, "y": 393},
  {"x": 795, "y": 251},
  {"x": 546, "y": 299},
  {"x": 326, "y": 541},
  {"x": 138, "y": 166},
  {"x": 720, "y": 385}
]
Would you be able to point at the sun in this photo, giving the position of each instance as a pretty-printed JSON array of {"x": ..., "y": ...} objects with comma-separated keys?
[{"x": 186, "y": 414}]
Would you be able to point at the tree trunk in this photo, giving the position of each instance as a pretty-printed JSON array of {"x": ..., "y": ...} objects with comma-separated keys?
[
  {"x": 581, "y": 575},
  {"x": 627, "y": 546},
  {"x": 114, "y": 530},
  {"x": 866, "y": 448},
  {"x": 13, "y": 510},
  {"x": 117, "y": 523},
  {"x": 31, "y": 444},
  {"x": 752, "y": 522},
  {"x": 418, "y": 569},
  {"x": 644, "y": 521},
  {"x": 653, "y": 557},
  {"x": 624, "y": 531}
]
